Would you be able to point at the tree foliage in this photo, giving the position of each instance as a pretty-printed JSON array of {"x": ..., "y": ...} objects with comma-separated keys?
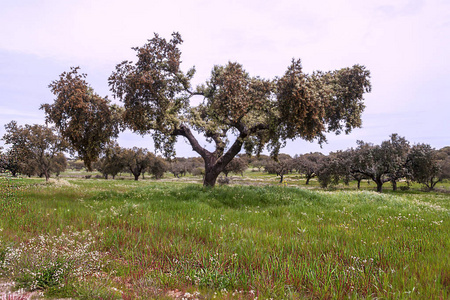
[
  {"x": 157, "y": 167},
  {"x": 256, "y": 112},
  {"x": 280, "y": 167},
  {"x": 381, "y": 163},
  {"x": 37, "y": 149},
  {"x": 308, "y": 164},
  {"x": 136, "y": 160},
  {"x": 111, "y": 162},
  {"x": 423, "y": 165},
  {"x": 237, "y": 166},
  {"x": 86, "y": 120}
]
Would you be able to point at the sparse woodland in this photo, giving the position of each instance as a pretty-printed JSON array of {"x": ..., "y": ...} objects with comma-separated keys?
[{"x": 82, "y": 217}]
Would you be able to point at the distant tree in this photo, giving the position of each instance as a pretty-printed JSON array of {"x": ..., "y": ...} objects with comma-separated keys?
[
  {"x": 193, "y": 163},
  {"x": 75, "y": 164},
  {"x": 444, "y": 168},
  {"x": 10, "y": 162},
  {"x": 2, "y": 161},
  {"x": 60, "y": 163},
  {"x": 179, "y": 167},
  {"x": 423, "y": 165},
  {"x": 344, "y": 169},
  {"x": 156, "y": 94},
  {"x": 324, "y": 172},
  {"x": 281, "y": 167},
  {"x": 198, "y": 171},
  {"x": 308, "y": 164},
  {"x": 329, "y": 170},
  {"x": 443, "y": 153},
  {"x": 259, "y": 164},
  {"x": 86, "y": 120},
  {"x": 111, "y": 162},
  {"x": 399, "y": 149},
  {"x": 237, "y": 166},
  {"x": 381, "y": 163},
  {"x": 136, "y": 160},
  {"x": 157, "y": 167},
  {"x": 36, "y": 145}
]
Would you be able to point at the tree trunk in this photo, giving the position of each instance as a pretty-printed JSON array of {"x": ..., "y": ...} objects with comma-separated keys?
[
  {"x": 210, "y": 177},
  {"x": 359, "y": 184},
  {"x": 281, "y": 178},
  {"x": 212, "y": 170},
  {"x": 379, "y": 186},
  {"x": 307, "y": 180},
  {"x": 46, "y": 174},
  {"x": 394, "y": 185},
  {"x": 136, "y": 176}
]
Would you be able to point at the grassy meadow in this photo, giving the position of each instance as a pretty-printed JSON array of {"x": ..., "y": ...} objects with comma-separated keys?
[{"x": 122, "y": 239}]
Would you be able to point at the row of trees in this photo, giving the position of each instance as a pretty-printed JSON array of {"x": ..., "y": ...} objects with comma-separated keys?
[
  {"x": 38, "y": 150},
  {"x": 391, "y": 161}
]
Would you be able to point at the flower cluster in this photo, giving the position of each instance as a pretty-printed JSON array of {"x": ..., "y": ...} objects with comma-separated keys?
[{"x": 47, "y": 261}]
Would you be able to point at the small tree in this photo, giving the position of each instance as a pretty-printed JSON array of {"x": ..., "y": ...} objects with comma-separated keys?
[
  {"x": 178, "y": 168},
  {"x": 37, "y": 146},
  {"x": 308, "y": 164},
  {"x": 423, "y": 165},
  {"x": 255, "y": 112},
  {"x": 136, "y": 160},
  {"x": 445, "y": 168},
  {"x": 157, "y": 167},
  {"x": 237, "y": 165},
  {"x": 111, "y": 162},
  {"x": 399, "y": 149},
  {"x": 281, "y": 167},
  {"x": 60, "y": 163}
]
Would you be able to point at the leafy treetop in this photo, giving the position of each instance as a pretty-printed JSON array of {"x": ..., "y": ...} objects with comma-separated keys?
[{"x": 257, "y": 112}]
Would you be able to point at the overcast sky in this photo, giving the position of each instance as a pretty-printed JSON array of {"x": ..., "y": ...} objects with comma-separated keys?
[{"x": 404, "y": 43}]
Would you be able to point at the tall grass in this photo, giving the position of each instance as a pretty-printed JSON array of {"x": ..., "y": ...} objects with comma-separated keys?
[{"x": 154, "y": 240}]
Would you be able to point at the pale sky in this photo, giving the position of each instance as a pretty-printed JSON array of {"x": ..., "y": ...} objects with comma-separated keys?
[{"x": 404, "y": 43}]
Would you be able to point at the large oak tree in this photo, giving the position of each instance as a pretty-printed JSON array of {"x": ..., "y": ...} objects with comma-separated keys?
[{"x": 238, "y": 111}]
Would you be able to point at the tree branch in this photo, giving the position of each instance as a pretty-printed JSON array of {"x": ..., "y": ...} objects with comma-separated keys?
[{"x": 187, "y": 133}]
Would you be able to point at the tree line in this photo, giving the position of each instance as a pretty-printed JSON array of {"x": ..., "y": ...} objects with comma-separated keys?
[
  {"x": 37, "y": 150},
  {"x": 393, "y": 160}
]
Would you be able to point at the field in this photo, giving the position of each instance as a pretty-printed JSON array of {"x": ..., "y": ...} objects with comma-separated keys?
[{"x": 122, "y": 239}]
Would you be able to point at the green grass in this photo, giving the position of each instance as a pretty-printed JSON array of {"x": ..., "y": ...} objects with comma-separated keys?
[{"x": 131, "y": 240}]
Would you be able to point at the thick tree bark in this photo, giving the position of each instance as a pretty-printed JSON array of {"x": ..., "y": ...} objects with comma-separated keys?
[
  {"x": 210, "y": 178},
  {"x": 394, "y": 185},
  {"x": 379, "y": 183},
  {"x": 359, "y": 184},
  {"x": 215, "y": 162}
]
